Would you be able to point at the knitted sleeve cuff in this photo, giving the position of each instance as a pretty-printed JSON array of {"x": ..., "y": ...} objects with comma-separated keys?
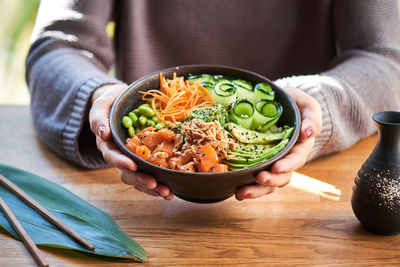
[{"x": 78, "y": 141}]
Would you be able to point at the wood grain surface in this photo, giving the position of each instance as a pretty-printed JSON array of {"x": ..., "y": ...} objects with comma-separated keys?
[{"x": 298, "y": 225}]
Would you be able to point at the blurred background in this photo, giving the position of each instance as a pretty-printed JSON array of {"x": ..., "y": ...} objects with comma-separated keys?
[{"x": 17, "y": 18}]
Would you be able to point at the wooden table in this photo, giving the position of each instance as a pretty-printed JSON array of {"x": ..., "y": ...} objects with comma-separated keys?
[{"x": 293, "y": 226}]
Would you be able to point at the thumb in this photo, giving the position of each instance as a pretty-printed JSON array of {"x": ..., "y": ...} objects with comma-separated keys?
[{"x": 99, "y": 115}]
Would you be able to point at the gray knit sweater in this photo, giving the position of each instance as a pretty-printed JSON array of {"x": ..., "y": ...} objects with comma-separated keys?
[{"x": 345, "y": 53}]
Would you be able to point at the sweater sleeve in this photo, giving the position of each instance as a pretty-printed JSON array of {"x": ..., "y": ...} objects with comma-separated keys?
[
  {"x": 69, "y": 58},
  {"x": 363, "y": 79}
]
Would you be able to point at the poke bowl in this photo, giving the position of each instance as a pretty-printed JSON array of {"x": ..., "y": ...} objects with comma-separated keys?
[{"x": 203, "y": 151}]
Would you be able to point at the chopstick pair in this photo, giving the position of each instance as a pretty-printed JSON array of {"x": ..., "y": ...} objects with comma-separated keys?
[{"x": 42, "y": 211}]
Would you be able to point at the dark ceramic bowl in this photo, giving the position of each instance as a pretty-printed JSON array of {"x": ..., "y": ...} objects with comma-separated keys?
[{"x": 199, "y": 187}]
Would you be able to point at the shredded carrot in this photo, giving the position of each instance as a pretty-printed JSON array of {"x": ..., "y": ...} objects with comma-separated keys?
[{"x": 176, "y": 99}]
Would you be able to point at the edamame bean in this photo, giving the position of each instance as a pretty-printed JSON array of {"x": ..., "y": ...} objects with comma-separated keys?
[
  {"x": 155, "y": 119},
  {"x": 136, "y": 124},
  {"x": 133, "y": 117},
  {"x": 159, "y": 125},
  {"x": 136, "y": 111},
  {"x": 126, "y": 121},
  {"x": 150, "y": 123},
  {"x": 137, "y": 130},
  {"x": 143, "y": 105},
  {"x": 147, "y": 111},
  {"x": 131, "y": 131},
  {"x": 142, "y": 120}
]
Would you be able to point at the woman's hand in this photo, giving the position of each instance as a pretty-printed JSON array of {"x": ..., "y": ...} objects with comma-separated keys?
[
  {"x": 99, "y": 117},
  {"x": 281, "y": 170}
]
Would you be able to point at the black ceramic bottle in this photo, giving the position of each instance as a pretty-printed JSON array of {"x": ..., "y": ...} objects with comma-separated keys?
[{"x": 376, "y": 192}]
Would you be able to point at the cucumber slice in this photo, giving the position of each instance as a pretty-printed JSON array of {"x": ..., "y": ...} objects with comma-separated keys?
[
  {"x": 244, "y": 84},
  {"x": 242, "y": 113},
  {"x": 263, "y": 91},
  {"x": 244, "y": 90},
  {"x": 270, "y": 109},
  {"x": 244, "y": 94},
  {"x": 224, "y": 93},
  {"x": 273, "y": 110},
  {"x": 218, "y": 77},
  {"x": 204, "y": 78},
  {"x": 193, "y": 78},
  {"x": 265, "y": 111},
  {"x": 208, "y": 85}
]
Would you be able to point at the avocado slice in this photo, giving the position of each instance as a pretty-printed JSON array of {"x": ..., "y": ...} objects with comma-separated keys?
[
  {"x": 248, "y": 150},
  {"x": 253, "y": 148},
  {"x": 255, "y": 159},
  {"x": 246, "y": 136},
  {"x": 244, "y": 158}
]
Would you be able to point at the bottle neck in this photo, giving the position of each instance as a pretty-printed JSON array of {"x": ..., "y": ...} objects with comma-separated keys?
[{"x": 387, "y": 150}]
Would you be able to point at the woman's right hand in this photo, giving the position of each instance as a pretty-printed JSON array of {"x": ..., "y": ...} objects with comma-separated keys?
[{"x": 99, "y": 119}]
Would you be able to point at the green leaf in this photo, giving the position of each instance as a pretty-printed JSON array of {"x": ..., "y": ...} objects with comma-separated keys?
[{"x": 93, "y": 224}]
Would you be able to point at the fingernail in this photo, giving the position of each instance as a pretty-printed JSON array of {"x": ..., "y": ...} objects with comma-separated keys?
[
  {"x": 308, "y": 131},
  {"x": 101, "y": 130},
  {"x": 266, "y": 181}
]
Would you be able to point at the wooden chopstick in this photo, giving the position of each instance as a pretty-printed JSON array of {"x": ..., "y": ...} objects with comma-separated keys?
[
  {"x": 43, "y": 211},
  {"x": 30, "y": 245}
]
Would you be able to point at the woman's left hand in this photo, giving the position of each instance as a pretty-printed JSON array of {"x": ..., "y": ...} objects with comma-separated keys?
[{"x": 281, "y": 171}]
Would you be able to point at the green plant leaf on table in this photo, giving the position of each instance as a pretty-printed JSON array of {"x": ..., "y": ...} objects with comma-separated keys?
[{"x": 93, "y": 224}]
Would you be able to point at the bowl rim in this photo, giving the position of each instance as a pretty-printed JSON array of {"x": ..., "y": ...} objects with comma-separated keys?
[{"x": 259, "y": 167}]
